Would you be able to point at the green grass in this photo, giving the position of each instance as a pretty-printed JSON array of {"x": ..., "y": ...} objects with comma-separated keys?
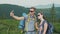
[
  {"x": 10, "y": 26},
  {"x": 57, "y": 27}
]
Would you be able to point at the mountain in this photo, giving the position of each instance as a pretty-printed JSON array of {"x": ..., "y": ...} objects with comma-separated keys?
[
  {"x": 46, "y": 6},
  {"x": 46, "y": 11},
  {"x": 5, "y": 10},
  {"x": 43, "y": 6}
]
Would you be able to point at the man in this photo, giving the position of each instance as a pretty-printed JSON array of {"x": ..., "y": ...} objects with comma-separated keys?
[{"x": 30, "y": 21}]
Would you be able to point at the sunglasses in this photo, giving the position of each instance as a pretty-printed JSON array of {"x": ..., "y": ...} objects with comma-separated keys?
[
  {"x": 38, "y": 15},
  {"x": 31, "y": 11}
]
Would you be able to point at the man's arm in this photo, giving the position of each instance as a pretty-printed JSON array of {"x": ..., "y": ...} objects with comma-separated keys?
[{"x": 16, "y": 17}]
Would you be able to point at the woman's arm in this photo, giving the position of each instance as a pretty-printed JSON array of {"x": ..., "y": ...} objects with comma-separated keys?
[
  {"x": 36, "y": 25},
  {"x": 45, "y": 28}
]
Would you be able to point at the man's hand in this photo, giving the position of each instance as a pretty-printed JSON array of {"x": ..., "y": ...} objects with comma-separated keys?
[
  {"x": 15, "y": 17},
  {"x": 12, "y": 13}
]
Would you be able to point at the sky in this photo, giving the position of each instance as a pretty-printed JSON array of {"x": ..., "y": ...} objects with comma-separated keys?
[{"x": 29, "y": 3}]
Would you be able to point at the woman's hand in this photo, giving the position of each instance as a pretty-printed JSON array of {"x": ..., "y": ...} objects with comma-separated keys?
[
  {"x": 37, "y": 28},
  {"x": 36, "y": 25},
  {"x": 40, "y": 28}
]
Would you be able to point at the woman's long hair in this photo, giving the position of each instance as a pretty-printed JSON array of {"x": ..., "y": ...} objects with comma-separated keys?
[{"x": 44, "y": 17}]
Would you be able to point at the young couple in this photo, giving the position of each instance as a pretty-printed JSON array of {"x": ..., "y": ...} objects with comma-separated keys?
[{"x": 31, "y": 22}]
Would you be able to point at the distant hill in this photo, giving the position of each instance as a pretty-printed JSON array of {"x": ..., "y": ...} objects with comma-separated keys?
[
  {"x": 5, "y": 9},
  {"x": 47, "y": 6},
  {"x": 46, "y": 12}
]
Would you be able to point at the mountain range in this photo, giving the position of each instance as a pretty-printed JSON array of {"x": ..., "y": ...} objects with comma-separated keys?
[
  {"x": 5, "y": 10},
  {"x": 46, "y": 6}
]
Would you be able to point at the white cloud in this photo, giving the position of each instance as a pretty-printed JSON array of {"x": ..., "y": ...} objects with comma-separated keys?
[
  {"x": 29, "y": 3},
  {"x": 57, "y": 1}
]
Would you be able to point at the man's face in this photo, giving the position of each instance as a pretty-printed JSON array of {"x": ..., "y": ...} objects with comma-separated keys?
[{"x": 32, "y": 11}]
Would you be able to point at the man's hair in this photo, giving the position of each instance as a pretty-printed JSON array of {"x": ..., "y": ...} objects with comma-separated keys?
[{"x": 33, "y": 8}]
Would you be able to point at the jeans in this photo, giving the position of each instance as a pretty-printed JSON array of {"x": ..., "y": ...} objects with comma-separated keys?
[{"x": 30, "y": 32}]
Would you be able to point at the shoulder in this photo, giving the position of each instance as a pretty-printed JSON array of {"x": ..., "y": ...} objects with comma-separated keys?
[
  {"x": 26, "y": 16},
  {"x": 45, "y": 22}
]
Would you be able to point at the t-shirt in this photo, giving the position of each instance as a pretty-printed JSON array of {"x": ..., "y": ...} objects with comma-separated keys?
[
  {"x": 42, "y": 25},
  {"x": 31, "y": 23}
]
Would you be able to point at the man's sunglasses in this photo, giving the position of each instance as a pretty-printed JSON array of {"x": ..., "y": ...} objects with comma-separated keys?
[{"x": 31, "y": 11}]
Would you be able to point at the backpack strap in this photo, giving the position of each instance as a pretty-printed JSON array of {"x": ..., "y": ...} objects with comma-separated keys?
[{"x": 43, "y": 23}]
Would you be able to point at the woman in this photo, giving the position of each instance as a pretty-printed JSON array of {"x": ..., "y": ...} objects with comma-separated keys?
[{"x": 42, "y": 28}]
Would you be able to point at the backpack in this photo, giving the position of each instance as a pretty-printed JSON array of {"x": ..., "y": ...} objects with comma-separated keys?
[
  {"x": 22, "y": 22},
  {"x": 50, "y": 28}
]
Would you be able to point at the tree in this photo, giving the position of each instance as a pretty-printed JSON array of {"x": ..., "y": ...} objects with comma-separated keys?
[{"x": 53, "y": 14}]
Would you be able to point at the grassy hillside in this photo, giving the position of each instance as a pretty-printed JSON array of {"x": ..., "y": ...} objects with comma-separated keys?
[{"x": 10, "y": 26}]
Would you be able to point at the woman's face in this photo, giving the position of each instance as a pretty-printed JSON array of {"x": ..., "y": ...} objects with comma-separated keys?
[{"x": 40, "y": 16}]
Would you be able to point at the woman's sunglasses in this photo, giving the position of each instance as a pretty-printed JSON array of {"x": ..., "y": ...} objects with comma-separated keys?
[{"x": 38, "y": 15}]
